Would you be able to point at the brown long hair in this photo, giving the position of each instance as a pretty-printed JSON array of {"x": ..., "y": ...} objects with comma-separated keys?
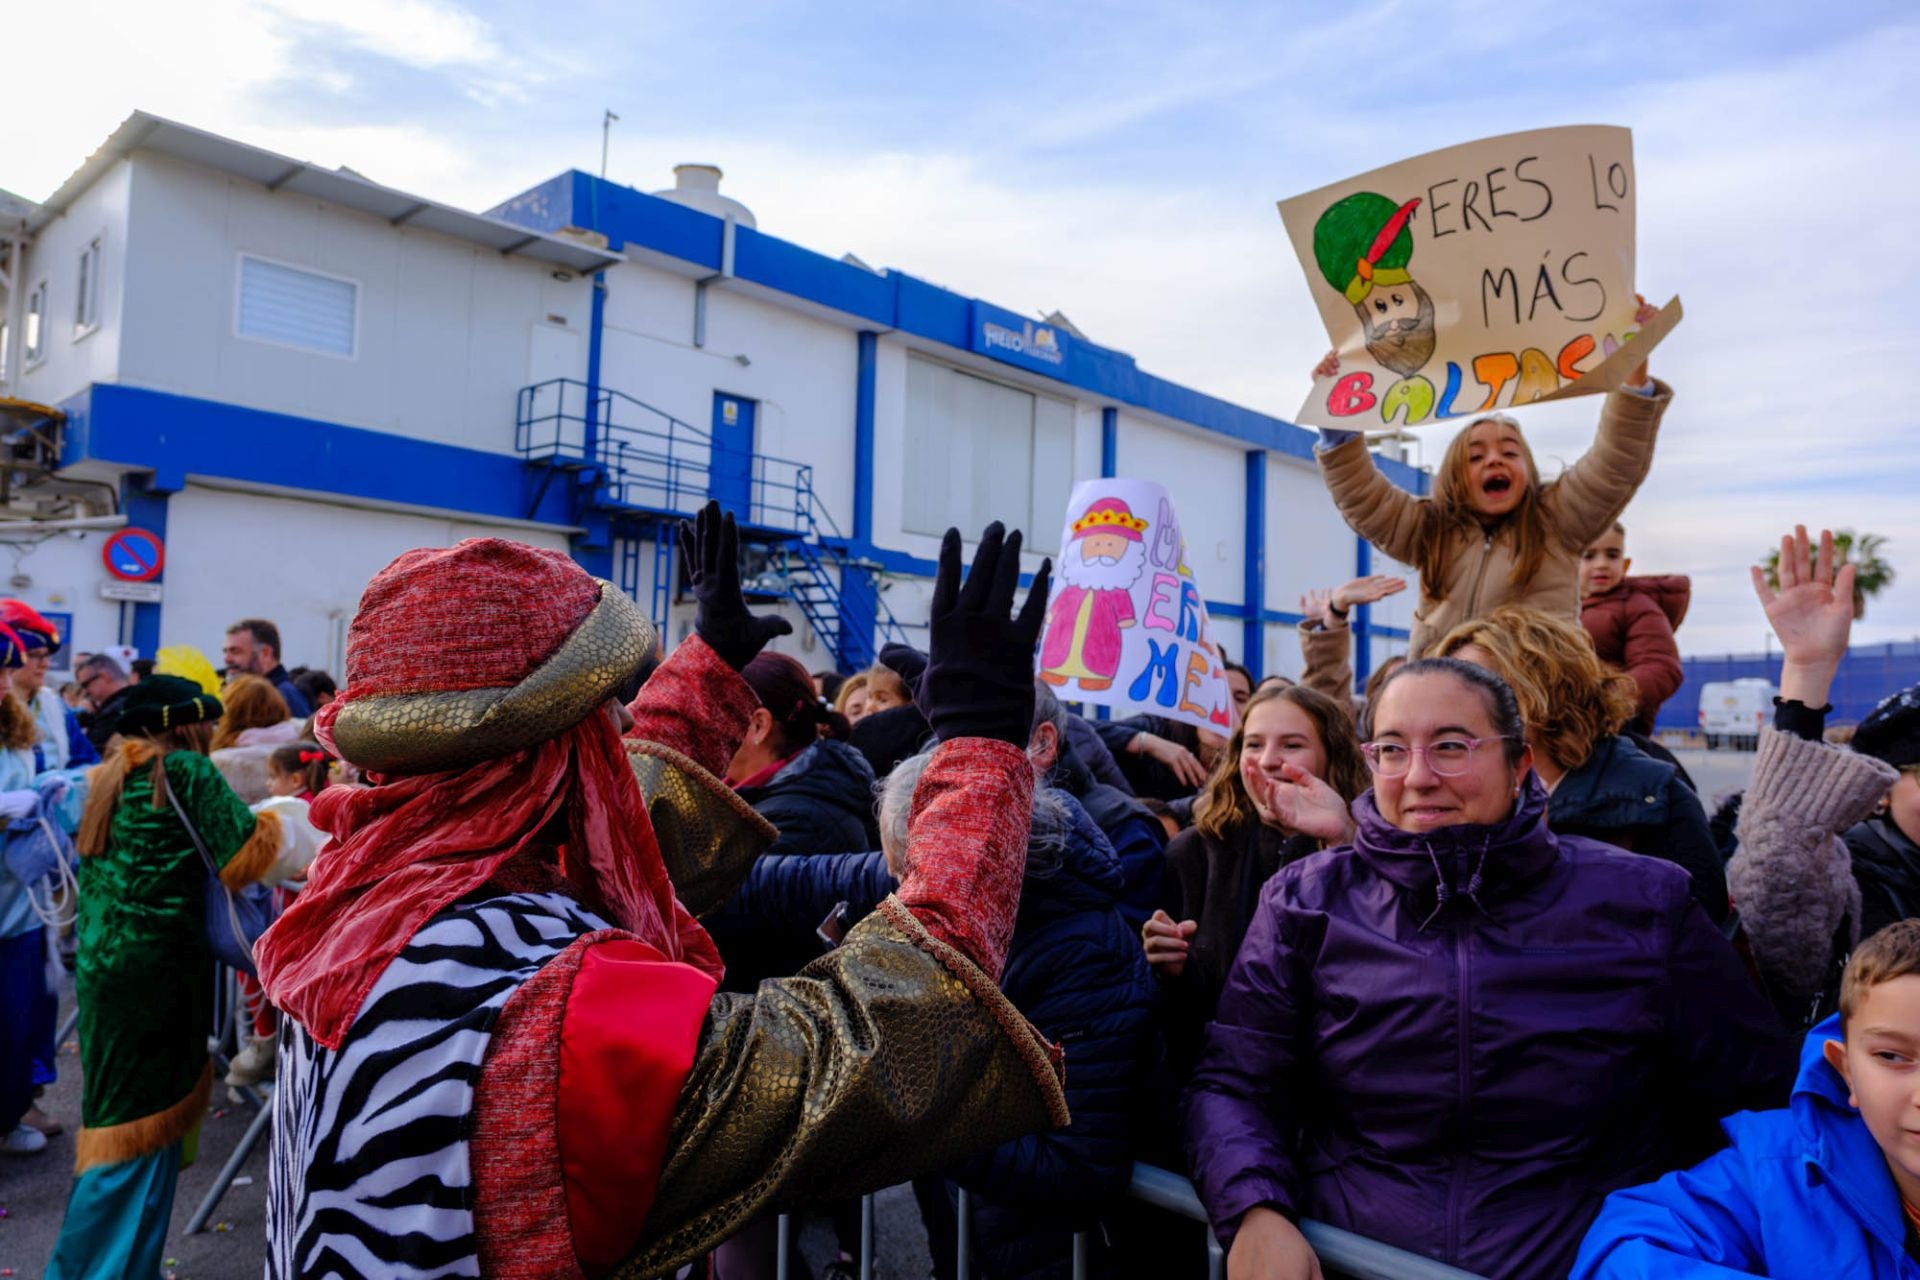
[
  {"x": 1568, "y": 697},
  {"x": 109, "y": 779},
  {"x": 1224, "y": 807},
  {"x": 251, "y": 702},
  {"x": 1452, "y": 501},
  {"x": 18, "y": 728}
]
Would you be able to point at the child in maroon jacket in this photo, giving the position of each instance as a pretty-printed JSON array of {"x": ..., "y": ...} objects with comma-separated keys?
[{"x": 1632, "y": 620}]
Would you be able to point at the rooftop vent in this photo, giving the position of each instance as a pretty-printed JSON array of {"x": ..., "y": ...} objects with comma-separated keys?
[{"x": 697, "y": 186}]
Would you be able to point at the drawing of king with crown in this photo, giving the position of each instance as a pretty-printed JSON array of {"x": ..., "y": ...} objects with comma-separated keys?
[{"x": 1105, "y": 556}]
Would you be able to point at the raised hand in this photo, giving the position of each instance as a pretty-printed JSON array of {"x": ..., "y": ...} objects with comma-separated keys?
[
  {"x": 711, "y": 549},
  {"x": 1297, "y": 801},
  {"x": 1167, "y": 942},
  {"x": 1180, "y": 762},
  {"x": 1642, "y": 313},
  {"x": 1367, "y": 590},
  {"x": 1313, "y": 606},
  {"x": 979, "y": 678},
  {"x": 1329, "y": 365},
  {"x": 1811, "y": 613}
]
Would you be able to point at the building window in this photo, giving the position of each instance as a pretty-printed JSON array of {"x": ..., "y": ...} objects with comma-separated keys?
[
  {"x": 86, "y": 312},
  {"x": 34, "y": 348},
  {"x": 292, "y": 307},
  {"x": 978, "y": 451}
]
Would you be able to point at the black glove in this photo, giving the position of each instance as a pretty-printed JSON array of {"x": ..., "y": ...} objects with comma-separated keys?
[
  {"x": 711, "y": 549},
  {"x": 979, "y": 679}
]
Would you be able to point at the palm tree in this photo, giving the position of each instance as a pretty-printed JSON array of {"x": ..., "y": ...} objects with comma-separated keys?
[{"x": 1871, "y": 574}]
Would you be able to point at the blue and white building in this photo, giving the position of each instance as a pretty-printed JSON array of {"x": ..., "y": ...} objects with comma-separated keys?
[{"x": 292, "y": 374}]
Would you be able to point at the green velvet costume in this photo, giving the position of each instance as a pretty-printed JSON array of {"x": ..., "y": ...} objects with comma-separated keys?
[
  {"x": 145, "y": 985},
  {"x": 145, "y": 978}
]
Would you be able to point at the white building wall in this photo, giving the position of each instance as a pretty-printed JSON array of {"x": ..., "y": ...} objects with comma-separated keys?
[
  {"x": 1207, "y": 479},
  {"x": 447, "y": 333},
  {"x": 63, "y": 575},
  {"x": 801, "y": 371},
  {"x": 72, "y": 360},
  {"x": 301, "y": 564}
]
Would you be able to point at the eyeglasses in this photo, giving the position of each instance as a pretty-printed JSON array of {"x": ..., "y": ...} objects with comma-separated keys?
[{"x": 1448, "y": 757}]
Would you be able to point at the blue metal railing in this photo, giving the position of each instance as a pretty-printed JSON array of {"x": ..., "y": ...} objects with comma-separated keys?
[
  {"x": 646, "y": 461},
  {"x": 651, "y": 461}
]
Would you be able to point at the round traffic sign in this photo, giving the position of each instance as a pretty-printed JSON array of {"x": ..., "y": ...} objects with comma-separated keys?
[{"x": 134, "y": 555}]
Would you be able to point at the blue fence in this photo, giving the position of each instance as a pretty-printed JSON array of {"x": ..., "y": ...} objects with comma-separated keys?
[{"x": 1867, "y": 674}]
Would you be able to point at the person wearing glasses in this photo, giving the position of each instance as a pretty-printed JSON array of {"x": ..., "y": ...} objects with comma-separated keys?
[
  {"x": 1460, "y": 1032},
  {"x": 105, "y": 686}
]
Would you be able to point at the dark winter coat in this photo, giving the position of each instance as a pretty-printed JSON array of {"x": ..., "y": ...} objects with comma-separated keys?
[
  {"x": 1626, "y": 798},
  {"x": 1145, "y": 775},
  {"x": 769, "y": 928},
  {"x": 1076, "y": 970},
  {"x": 1138, "y": 839},
  {"x": 1632, "y": 628},
  {"x": 1459, "y": 1042},
  {"x": 887, "y": 737},
  {"x": 1094, "y": 753},
  {"x": 1216, "y": 884},
  {"x": 821, "y": 800},
  {"x": 1887, "y": 867}
]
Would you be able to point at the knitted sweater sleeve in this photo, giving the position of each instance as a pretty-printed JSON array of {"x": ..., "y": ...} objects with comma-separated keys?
[{"x": 1791, "y": 878}]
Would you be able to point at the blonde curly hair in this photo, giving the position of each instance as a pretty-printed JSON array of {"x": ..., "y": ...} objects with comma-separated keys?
[{"x": 1568, "y": 697}]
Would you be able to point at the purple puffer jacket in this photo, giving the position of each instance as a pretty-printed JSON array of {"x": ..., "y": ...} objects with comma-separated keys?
[{"x": 1459, "y": 1043}]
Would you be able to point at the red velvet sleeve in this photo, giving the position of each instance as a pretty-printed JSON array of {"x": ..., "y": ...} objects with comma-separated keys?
[
  {"x": 694, "y": 704},
  {"x": 967, "y": 846}
]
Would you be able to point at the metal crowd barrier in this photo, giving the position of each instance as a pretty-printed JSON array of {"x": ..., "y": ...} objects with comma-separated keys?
[{"x": 1342, "y": 1253}]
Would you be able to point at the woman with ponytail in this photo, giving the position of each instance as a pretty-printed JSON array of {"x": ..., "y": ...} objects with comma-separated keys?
[
  {"x": 145, "y": 977},
  {"x": 796, "y": 769}
]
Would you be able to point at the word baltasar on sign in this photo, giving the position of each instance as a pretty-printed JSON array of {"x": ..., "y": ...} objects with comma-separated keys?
[{"x": 1483, "y": 276}]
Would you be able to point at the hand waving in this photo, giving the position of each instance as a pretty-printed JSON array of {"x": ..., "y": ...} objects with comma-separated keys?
[
  {"x": 1812, "y": 613},
  {"x": 979, "y": 679},
  {"x": 1369, "y": 590},
  {"x": 711, "y": 548},
  {"x": 1297, "y": 801}
]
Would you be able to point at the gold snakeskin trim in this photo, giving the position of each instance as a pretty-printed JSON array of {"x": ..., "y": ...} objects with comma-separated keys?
[
  {"x": 708, "y": 835},
  {"x": 429, "y": 732},
  {"x": 889, "y": 1057},
  {"x": 1044, "y": 1058}
]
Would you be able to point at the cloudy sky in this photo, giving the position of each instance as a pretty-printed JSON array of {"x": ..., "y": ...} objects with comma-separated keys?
[{"x": 1120, "y": 161}]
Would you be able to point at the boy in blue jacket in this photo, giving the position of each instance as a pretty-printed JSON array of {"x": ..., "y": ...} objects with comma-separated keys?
[{"x": 1828, "y": 1187}]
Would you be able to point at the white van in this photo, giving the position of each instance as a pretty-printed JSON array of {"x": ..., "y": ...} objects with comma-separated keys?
[{"x": 1732, "y": 711}]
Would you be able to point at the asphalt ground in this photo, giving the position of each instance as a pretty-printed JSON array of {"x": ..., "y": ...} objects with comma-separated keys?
[{"x": 33, "y": 1189}]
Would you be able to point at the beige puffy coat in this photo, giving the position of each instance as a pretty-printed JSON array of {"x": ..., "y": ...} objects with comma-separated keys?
[{"x": 1581, "y": 505}]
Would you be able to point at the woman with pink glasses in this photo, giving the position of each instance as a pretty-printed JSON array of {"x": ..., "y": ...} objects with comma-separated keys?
[{"x": 1460, "y": 1032}]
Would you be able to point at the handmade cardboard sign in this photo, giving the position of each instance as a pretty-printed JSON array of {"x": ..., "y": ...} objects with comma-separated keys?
[
  {"x": 1127, "y": 627},
  {"x": 1480, "y": 277}
]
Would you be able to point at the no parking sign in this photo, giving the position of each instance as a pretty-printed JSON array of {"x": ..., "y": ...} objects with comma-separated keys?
[{"x": 134, "y": 555}]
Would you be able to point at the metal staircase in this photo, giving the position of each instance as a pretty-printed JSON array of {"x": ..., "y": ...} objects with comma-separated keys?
[{"x": 645, "y": 469}]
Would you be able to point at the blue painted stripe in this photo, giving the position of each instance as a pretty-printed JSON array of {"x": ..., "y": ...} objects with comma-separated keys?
[
  {"x": 632, "y": 220},
  {"x": 175, "y": 436},
  {"x": 1109, "y": 442},
  {"x": 1363, "y": 616},
  {"x": 145, "y": 508}
]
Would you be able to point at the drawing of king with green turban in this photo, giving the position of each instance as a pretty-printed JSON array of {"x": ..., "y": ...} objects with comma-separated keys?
[{"x": 1363, "y": 245}]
